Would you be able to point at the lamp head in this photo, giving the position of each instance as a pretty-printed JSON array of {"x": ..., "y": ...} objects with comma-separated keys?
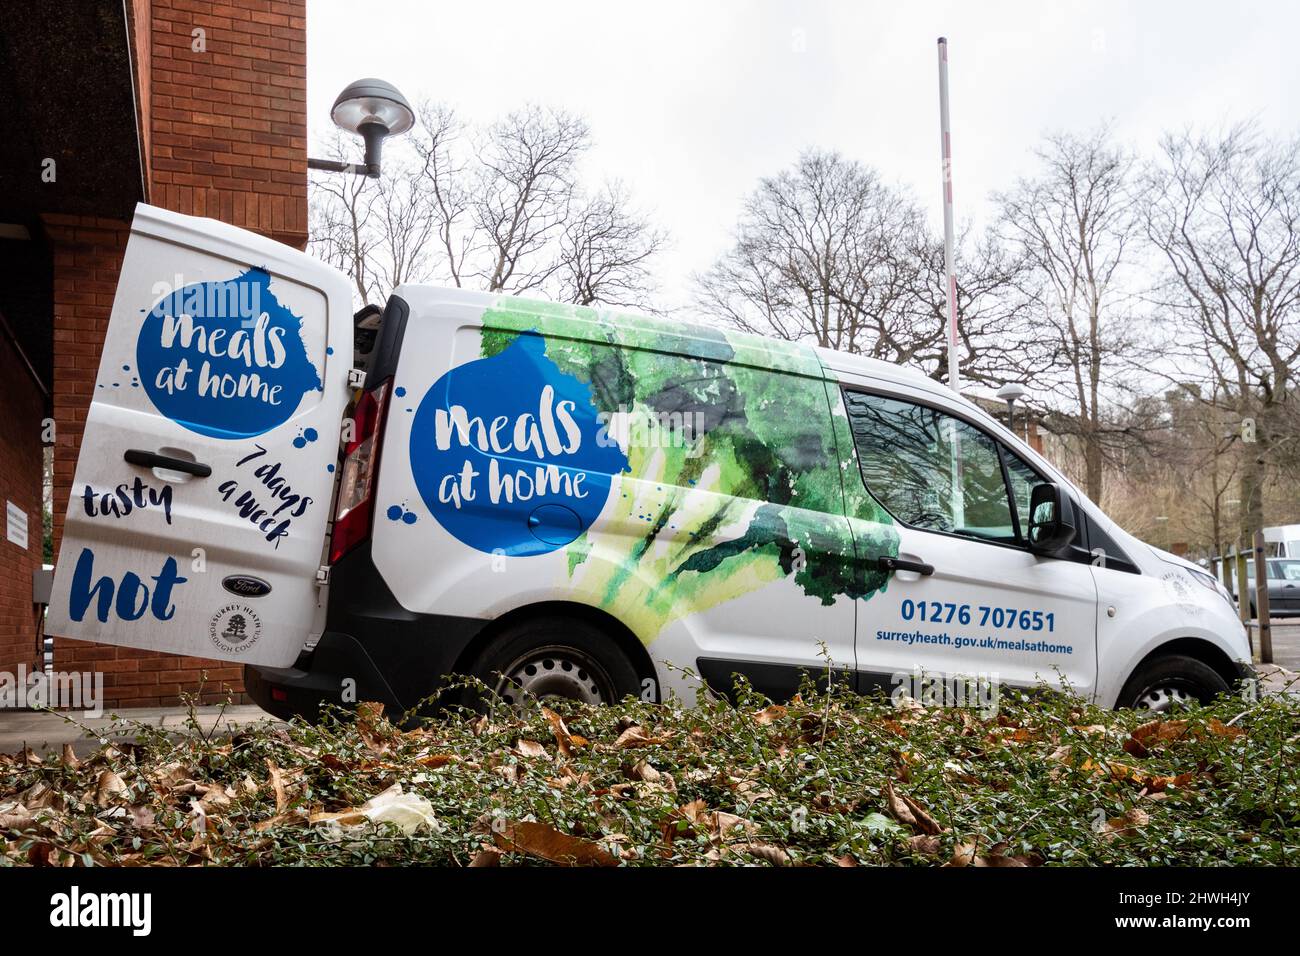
[{"x": 374, "y": 110}]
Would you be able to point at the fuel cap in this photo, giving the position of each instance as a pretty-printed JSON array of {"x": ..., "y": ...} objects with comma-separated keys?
[{"x": 554, "y": 524}]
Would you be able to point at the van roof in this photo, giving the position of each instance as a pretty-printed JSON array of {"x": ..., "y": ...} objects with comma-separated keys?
[{"x": 686, "y": 336}]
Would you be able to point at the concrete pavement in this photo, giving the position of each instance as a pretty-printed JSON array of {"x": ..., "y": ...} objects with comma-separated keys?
[
  {"x": 1286, "y": 642},
  {"x": 47, "y": 732}
]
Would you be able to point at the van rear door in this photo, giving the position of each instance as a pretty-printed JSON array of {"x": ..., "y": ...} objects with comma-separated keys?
[{"x": 201, "y": 497}]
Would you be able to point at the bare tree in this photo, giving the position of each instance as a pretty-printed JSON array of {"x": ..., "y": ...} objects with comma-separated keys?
[
  {"x": 342, "y": 223},
  {"x": 994, "y": 325},
  {"x": 437, "y": 141},
  {"x": 503, "y": 209},
  {"x": 826, "y": 252},
  {"x": 1076, "y": 223},
  {"x": 1225, "y": 215},
  {"x": 524, "y": 192},
  {"x": 605, "y": 252}
]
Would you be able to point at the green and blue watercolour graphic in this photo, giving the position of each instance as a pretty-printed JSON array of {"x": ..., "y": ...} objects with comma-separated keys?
[
  {"x": 508, "y": 455},
  {"x": 750, "y": 478},
  {"x": 225, "y": 359}
]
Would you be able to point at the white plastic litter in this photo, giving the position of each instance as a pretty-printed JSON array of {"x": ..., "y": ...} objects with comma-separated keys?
[{"x": 409, "y": 812}]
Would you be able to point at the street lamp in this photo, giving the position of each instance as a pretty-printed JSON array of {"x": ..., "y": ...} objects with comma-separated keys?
[
  {"x": 1011, "y": 393},
  {"x": 374, "y": 110}
]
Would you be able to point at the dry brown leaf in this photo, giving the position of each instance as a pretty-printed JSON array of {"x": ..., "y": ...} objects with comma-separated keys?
[
  {"x": 109, "y": 789},
  {"x": 908, "y": 812},
  {"x": 433, "y": 761},
  {"x": 171, "y": 774},
  {"x": 1127, "y": 825},
  {"x": 531, "y": 748},
  {"x": 997, "y": 860},
  {"x": 547, "y": 843},
  {"x": 643, "y": 770},
  {"x": 16, "y": 817},
  {"x": 768, "y": 852},
  {"x": 769, "y": 715},
  {"x": 1220, "y": 729},
  {"x": 277, "y": 785},
  {"x": 898, "y": 809},
  {"x": 635, "y": 736},
  {"x": 295, "y": 818},
  {"x": 846, "y": 860},
  {"x": 1161, "y": 784},
  {"x": 371, "y": 725},
  {"x": 70, "y": 760},
  {"x": 563, "y": 739},
  {"x": 925, "y": 845},
  {"x": 924, "y": 821},
  {"x": 486, "y": 856},
  {"x": 964, "y": 854}
]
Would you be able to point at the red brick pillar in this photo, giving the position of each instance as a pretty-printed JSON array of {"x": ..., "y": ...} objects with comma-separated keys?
[{"x": 21, "y": 458}]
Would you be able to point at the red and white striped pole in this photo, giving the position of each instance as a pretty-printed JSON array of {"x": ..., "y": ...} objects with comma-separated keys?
[{"x": 945, "y": 146}]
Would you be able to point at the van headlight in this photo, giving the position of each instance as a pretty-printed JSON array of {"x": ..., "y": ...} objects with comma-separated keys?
[{"x": 1214, "y": 584}]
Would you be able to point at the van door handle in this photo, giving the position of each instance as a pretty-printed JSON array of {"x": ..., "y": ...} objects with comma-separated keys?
[
  {"x": 888, "y": 564},
  {"x": 151, "y": 459}
]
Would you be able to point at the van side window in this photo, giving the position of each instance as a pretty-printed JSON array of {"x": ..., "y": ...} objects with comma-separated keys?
[{"x": 931, "y": 470}]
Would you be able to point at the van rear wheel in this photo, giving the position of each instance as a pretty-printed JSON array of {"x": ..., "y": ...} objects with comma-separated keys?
[
  {"x": 1163, "y": 683},
  {"x": 556, "y": 657}
]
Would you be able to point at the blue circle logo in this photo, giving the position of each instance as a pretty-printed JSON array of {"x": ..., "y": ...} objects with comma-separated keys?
[
  {"x": 225, "y": 359},
  {"x": 501, "y": 446}
]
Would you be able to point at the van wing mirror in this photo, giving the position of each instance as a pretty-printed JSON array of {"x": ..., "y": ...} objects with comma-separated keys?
[{"x": 1051, "y": 519}]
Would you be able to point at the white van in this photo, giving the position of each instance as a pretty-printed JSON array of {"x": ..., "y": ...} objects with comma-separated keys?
[
  {"x": 571, "y": 501},
  {"x": 1282, "y": 541}
]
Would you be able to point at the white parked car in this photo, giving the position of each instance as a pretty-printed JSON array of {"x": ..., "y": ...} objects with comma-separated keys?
[{"x": 574, "y": 501}]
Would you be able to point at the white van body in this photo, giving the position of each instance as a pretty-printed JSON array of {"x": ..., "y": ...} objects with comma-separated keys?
[
  {"x": 1282, "y": 541},
  {"x": 575, "y": 501}
]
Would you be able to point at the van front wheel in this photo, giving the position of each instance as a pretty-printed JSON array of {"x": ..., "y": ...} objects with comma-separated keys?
[
  {"x": 1163, "y": 683},
  {"x": 556, "y": 657}
]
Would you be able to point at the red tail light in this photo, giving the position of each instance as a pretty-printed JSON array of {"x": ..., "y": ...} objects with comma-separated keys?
[{"x": 352, "y": 517}]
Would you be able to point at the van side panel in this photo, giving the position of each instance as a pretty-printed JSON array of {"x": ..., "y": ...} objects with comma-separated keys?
[{"x": 686, "y": 480}]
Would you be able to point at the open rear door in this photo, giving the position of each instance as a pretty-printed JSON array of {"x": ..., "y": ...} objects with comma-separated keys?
[{"x": 202, "y": 492}]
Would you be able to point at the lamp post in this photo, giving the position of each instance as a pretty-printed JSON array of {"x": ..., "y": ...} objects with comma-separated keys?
[
  {"x": 1011, "y": 393},
  {"x": 374, "y": 110}
]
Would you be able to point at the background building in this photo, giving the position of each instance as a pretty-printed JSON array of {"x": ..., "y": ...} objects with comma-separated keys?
[{"x": 195, "y": 107}]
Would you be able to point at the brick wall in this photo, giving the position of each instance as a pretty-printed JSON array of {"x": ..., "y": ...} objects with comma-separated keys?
[
  {"x": 20, "y": 482},
  {"x": 225, "y": 136},
  {"x": 229, "y": 122}
]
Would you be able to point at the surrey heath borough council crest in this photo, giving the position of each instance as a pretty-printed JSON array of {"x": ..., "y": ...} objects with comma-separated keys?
[{"x": 235, "y": 628}]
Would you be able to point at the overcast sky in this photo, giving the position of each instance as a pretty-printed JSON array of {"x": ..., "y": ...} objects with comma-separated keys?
[{"x": 691, "y": 102}]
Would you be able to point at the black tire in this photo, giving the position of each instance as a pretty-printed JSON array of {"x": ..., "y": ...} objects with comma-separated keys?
[
  {"x": 568, "y": 658},
  {"x": 1166, "y": 678}
]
